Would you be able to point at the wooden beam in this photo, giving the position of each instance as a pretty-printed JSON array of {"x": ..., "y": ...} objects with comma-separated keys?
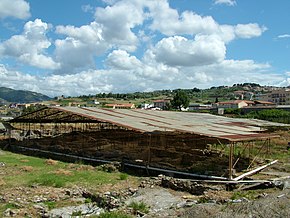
[{"x": 231, "y": 161}]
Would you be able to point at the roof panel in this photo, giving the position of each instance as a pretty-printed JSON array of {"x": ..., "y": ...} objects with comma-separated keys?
[{"x": 231, "y": 129}]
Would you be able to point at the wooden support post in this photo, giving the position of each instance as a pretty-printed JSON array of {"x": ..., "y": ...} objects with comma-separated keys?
[
  {"x": 231, "y": 161},
  {"x": 149, "y": 149}
]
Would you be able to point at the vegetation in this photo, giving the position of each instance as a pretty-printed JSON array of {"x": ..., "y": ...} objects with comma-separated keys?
[
  {"x": 21, "y": 96},
  {"x": 139, "y": 206},
  {"x": 180, "y": 100},
  {"x": 123, "y": 176},
  {"x": 273, "y": 115},
  {"x": 29, "y": 171},
  {"x": 113, "y": 214}
]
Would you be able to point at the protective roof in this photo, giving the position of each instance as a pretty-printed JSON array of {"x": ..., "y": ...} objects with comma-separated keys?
[{"x": 231, "y": 129}]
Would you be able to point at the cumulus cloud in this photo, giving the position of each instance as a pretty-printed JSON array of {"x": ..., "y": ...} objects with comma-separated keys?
[
  {"x": 226, "y": 2},
  {"x": 169, "y": 22},
  {"x": 117, "y": 22},
  {"x": 78, "y": 49},
  {"x": 120, "y": 59},
  {"x": 190, "y": 51},
  {"x": 179, "y": 51},
  {"x": 151, "y": 75},
  {"x": 249, "y": 30},
  {"x": 116, "y": 27},
  {"x": 17, "y": 9},
  {"x": 29, "y": 47}
]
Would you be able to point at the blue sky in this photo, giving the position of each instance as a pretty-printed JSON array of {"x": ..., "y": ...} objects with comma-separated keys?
[{"x": 64, "y": 47}]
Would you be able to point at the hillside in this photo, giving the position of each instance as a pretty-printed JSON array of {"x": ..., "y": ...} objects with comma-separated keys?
[{"x": 21, "y": 96}]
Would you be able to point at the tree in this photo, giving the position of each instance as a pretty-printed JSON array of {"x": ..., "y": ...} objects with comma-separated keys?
[{"x": 180, "y": 100}]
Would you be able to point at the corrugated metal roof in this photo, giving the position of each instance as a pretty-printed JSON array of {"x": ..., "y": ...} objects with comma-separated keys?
[{"x": 231, "y": 129}]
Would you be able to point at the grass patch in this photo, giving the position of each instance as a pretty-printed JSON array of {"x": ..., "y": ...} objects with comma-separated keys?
[
  {"x": 22, "y": 170},
  {"x": 123, "y": 176},
  {"x": 11, "y": 206},
  {"x": 251, "y": 195},
  {"x": 50, "y": 204},
  {"x": 114, "y": 214},
  {"x": 76, "y": 213},
  {"x": 139, "y": 206},
  {"x": 49, "y": 180}
]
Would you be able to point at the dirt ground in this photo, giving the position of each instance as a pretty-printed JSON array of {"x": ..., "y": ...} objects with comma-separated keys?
[{"x": 213, "y": 201}]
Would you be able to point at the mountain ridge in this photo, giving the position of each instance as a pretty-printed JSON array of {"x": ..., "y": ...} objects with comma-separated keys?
[{"x": 21, "y": 96}]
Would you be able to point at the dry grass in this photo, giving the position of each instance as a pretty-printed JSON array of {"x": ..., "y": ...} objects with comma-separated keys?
[
  {"x": 27, "y": 168},
  {"x": 2, "y": 182},
  {"x": 63, "y": 172},
  {"x": 51, "y": 162},
  {"x": 24, "y": 161}
]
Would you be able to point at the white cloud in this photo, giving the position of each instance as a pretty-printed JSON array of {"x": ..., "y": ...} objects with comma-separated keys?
[
  {"x": 249, "y": 30},
  {"x": 169, "y": 22},
  {"x": 179, "y": 51},
  {"x": 151, "y": 75},
  {"x": 200, "y": 77},
  {"x": 120, "y": 59},
  {"x": 227, "y": 2},
  {"x": 116, "y": 27},
  {"x": 87, "y": 8},
  {"x": 17, "y": 9},
  {"x": 29, "y": 47},
  {"x": 78, "y": 49},
  {"x": 117, "y": 22},
  {"x": 284, "y": 36},
  {"x": 192, "y": 53}
]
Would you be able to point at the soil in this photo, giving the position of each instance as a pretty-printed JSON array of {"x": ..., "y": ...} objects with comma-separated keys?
[{"x": 211, "y": 201}]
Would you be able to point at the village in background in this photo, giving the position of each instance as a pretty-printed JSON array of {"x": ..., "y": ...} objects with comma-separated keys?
[{"x": 239, "y": 99}]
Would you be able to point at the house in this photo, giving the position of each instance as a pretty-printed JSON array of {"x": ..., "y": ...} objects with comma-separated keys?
[
  {"x": 121, "y": 106},
  {"x": 243, "y": 95},
  {"x": 234, "y": 104},
  {"x": 162, "y": 103},
  {"x": 279, "y": 96},
  {"x": 146, "y": 106},
  {"x": 196, "y": 106},
  {"x": 94, "y": 101},
  {"x": 264, "y": 103}
]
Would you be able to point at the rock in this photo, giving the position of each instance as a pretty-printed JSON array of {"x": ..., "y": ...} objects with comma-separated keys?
[
  {"x": 133, "y": 190},
  {"x": 83, "y": 210},
  {"x": 38, "y": 207},
  {"x": 10, "y": 213},
  {"x": 107, "y": 193}
]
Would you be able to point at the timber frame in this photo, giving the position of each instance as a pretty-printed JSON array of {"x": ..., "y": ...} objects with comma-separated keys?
[{"x": 58, "y": 121}]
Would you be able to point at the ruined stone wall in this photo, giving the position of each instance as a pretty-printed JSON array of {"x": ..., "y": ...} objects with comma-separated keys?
[{"x": 172, "y": 150}]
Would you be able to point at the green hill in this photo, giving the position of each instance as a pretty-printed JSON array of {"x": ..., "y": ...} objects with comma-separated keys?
[{"x": 21, "y": 96}]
